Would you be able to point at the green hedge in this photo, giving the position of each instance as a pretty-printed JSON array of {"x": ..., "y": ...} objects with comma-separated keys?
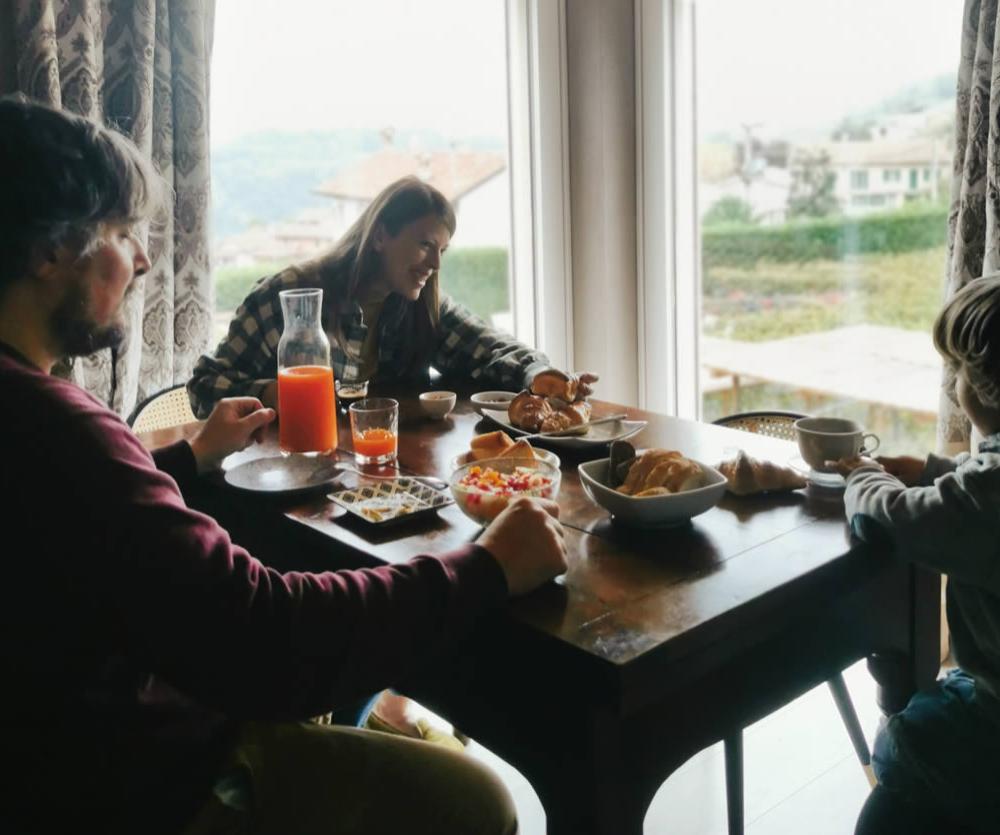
[
  {"x": 474, "y": 276},
  {"x": 829, "y": 238},
  {"x": 233, "y": 283},
  {"x": 477, "y": 277}
]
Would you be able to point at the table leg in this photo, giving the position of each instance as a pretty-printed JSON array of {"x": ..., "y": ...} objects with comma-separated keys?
[{"x": 900, "y": 673}]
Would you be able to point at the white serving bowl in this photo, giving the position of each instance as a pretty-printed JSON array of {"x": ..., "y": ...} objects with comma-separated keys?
[
  {"x": 540, "y": 454},
  {"x": 438, "y": 404},
  {"x": 651, "y": 511},
  {"x": 484, "y": 506},
  {"x": 495, "y": 400}
]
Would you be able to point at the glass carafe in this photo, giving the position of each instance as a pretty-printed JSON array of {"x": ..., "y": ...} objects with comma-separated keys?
[{"x": 307, "y": 405}]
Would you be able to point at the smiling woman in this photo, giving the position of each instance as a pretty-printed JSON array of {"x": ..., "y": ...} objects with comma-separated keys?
[
  {"x": 299, "y": 149},
  {"x": 383, "y": 310}
]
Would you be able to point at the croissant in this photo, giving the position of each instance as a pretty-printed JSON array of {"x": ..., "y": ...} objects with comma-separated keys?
[
  {"x": 659, "y": 471},
  {"x": 748, "y": 475},
  {"x": 555, "y": 383},
  {"x": 527, "y": 411},
  {"x": 566, "y": 417}
]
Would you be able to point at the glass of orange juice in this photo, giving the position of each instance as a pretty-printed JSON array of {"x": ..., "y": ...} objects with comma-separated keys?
[
  {"x": 307, "y": 405},
  {"x": 374, "y": 429}
]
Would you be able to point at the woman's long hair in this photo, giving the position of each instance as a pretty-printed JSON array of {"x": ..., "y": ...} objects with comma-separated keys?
[{"x": 353, "y": 261}]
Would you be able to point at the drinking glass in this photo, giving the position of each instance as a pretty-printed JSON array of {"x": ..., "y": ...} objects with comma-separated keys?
[
  {"x": 349, "y": 391},
  {"x": 374, "y": 429},
  {"x": 307, "y": 403}
]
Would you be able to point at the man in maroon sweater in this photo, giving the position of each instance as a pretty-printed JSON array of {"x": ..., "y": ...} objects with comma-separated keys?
[{"x": 155, "y": 671}]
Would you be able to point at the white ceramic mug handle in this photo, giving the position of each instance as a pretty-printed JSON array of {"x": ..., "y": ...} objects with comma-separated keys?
[{"x": 865, "y": 451}]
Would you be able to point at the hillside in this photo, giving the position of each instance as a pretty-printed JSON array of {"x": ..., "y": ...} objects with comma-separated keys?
[{"x": 267, "y": 177}]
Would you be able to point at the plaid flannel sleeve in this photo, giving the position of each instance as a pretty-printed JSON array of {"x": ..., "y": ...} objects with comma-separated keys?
[
  {"x": 468, "y": 347},
  {"x": 245, "y": 361}
]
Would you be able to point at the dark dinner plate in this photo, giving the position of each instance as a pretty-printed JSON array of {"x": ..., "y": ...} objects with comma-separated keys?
[{"x": 284, "y": 474}]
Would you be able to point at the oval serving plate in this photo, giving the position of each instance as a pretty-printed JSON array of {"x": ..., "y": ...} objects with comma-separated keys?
[{"x": 603, "y": 433}]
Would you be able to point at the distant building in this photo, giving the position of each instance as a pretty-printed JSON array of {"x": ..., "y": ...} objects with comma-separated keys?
[
  {"x": 471, "y": 180},
  {"x": 766, "y": 192},
  {"x": 882, "y": 174}
]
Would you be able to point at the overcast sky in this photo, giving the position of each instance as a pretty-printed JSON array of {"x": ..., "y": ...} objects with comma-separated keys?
[
  {"x": 788, "y": 63},
  {"x": 326, "y": 64}
]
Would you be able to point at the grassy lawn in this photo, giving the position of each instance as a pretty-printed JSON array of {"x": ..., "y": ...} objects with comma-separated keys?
[{"x": 770, "y": 300}]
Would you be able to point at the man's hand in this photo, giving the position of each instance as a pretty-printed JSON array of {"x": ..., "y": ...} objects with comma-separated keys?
[
  {"x": 904, "y": 467},
  {"x": 846, "y": 466},
  {"x": 587, "y": 380},
  {"x": 269, "y": 396},
  {"x": 527, "y": 540},
  {"x": 234, "y": 424}
]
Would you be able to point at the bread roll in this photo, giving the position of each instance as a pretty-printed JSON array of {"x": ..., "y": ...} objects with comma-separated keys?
[
  {"x": 527, "y": 411},
  {"x": 567, "y": 417},
  {"x": 555, "y": 383}
]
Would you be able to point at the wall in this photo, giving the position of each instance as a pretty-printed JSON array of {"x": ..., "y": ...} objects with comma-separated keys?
[{"x": 601, "y": 94}]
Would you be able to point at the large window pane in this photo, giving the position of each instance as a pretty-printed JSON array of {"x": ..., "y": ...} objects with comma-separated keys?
[
  {"x": 316, "y": 106},
  {"x": 825, "y": 146}
]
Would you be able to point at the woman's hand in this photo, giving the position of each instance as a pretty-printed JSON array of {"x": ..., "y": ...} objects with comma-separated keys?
[
  {"x": 906, "y": 468},
  {"x": 234, "y": 424},
  {"x": 846, "y": 466}
]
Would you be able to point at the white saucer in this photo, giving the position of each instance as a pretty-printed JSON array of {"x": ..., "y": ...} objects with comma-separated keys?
[{"x": 829, "y": 480}]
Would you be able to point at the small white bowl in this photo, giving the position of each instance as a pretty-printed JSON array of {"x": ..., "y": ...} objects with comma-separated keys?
[
  {"x": 651, "y": 511},
  {"x": 438, "y": 404},
  {"x": 491, "y": 400}
]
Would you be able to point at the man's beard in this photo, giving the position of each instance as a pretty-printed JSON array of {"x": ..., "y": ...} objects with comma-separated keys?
[{"x": 78, "y": 335}]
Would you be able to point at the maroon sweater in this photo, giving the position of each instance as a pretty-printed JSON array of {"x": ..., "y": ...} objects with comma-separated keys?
[{"x": 135, "y": 633}]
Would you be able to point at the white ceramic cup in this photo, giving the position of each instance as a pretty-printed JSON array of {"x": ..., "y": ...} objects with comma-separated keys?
[{"x": 824, "y": 439}]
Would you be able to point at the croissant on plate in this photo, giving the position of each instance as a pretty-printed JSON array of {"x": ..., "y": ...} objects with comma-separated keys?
[
  {"x": 555, "y": 383},
  {"x": 527, "y": 411},
  {"x": 746, "y": 475},
  {"x": 565, "y": 418}
]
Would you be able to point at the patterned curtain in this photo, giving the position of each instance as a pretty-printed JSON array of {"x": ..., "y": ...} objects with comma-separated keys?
[
  {"x": 974, "y": 220},
  {"x": 142, "y": 67}
]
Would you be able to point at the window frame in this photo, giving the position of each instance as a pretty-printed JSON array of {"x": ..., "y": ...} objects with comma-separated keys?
[
  {"x": 669, "y": 232},
  {"x": 538, "y": 142}
]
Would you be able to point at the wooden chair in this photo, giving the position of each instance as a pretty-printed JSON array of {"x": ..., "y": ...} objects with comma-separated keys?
[
  {"x": 779, "y": 424},
  {"x": 167, "y": 408}
]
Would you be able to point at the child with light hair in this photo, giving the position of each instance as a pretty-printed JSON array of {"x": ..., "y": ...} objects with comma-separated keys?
[{"x": 936, "y": 760}]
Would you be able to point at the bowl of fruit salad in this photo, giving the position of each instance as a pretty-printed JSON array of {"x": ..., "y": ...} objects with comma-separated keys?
[{"x": 482, "y": 489}]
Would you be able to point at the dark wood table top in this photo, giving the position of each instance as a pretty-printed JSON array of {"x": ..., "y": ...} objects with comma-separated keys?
[
  {"x": 649, "y": 588},
  {"x": 655, "y": 642}
]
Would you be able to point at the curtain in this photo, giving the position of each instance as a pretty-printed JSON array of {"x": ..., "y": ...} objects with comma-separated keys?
[
  {"x": 141, "y": 67},
  {"x": 974, "y": 219}
]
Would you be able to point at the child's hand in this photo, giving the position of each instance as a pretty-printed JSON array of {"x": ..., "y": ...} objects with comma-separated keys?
[
  {"x": 904, "y": 467},
  {"x": 846, "y": 466}
]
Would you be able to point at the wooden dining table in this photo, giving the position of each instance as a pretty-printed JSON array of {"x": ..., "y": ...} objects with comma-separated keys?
[{"x": 656, "y": 642}]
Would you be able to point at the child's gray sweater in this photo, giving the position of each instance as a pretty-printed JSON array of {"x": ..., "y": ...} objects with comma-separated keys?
[{"x": 950, "y": 523}]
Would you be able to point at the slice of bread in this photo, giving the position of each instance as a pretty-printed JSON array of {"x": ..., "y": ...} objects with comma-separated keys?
[
  {"x": 521, "y": 450},
  {"x": 492, "y": 440}
]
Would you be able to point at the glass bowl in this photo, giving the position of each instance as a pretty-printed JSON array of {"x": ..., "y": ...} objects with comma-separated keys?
[{"x": 482, "y": 489}]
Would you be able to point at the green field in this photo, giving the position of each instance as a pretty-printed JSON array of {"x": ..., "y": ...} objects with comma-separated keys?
[{"x": 769, "y": 300}]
